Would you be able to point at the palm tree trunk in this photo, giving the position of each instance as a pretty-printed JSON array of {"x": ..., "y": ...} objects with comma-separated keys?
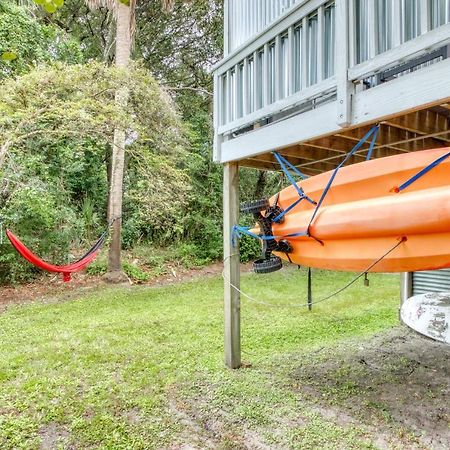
[{"x": 123, "y": 52}]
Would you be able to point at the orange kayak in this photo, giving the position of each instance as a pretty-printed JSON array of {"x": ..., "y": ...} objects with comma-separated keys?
[{"x": 362, "y": 216}]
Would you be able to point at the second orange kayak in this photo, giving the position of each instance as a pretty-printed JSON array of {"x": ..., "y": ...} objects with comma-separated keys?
[{"x": 363, "y": 216}]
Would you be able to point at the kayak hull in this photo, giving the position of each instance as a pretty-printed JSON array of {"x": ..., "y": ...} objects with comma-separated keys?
[{"x": 364, "y": 216}]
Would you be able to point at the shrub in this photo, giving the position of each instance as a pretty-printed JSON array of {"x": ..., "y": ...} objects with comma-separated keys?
[{"x": 57, "y": 124}]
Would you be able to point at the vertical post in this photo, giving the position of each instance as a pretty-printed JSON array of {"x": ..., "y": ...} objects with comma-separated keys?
[
  {"x": 228, "y": 98},
  {"x": 352, "y": 41},
  {"x": 405, "y": 287},
  {"x": 397, "y": 24},
  {"x": 305, "y": 53},
  {"x": 246, "y": 108},
  {"x": 232, "y": 304},
  {"x": 235, "y": 89},
  {"x": 266, "y": 76},
  {"x": 226, "y": 27},
  {"x": 320, "y": 43},
  {"x": 290, "y": 62},
  {"x": 279, "y": 69},
  {"x": 257, "y": 89},
  {"x": 218, "y": 115},
  {"x": 424, "y": 17},
  {"x": 310, "y": 300},
  {"x": 372, "y": 32},
  {"x": 344, "y": 85}
]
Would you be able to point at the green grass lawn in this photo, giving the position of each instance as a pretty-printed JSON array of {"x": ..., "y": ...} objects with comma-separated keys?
[{"x": 142, "y": 367}]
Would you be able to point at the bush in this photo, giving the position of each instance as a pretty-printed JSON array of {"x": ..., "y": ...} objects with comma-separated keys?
[
  {"x": 250, "y": 248},
  {"x": 43, "y": 223},
  {"x": 58, "y": 124},
  {"x": 99, "y": 267},
  {"x": 30, "y": 42}
]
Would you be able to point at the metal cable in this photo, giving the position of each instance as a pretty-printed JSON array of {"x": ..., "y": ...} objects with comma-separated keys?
[{"x": 328, "y": 297}]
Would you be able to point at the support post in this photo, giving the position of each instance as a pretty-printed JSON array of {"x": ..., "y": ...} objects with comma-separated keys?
[
  {"x": 232, "y": 304},
  {"x": 405, "y": 287},
  {"x": 345, "y": 87},
  {"x": 226, "y": 27}
]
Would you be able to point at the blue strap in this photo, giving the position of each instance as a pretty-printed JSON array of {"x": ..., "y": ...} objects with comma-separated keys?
[
  {"x": 288, "y": 209},
  {"x": 333, "y": 176},
  {"x": 237, "y": 231},
  {"x": 284, "y": 162},
  {"x": 423, "y": 172},
  {"x": 372, "y": 143},
  {"x": 281, "y": 160}
]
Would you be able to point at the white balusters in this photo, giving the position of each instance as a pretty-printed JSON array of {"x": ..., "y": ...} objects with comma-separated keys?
[
  {"x": 320, "y": 42},
  {"x": 295, "y": 59},
  {"x": 246, "y": 18}
]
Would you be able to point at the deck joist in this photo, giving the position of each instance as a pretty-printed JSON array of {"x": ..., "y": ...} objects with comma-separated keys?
[{"x": 420, "y": 130}]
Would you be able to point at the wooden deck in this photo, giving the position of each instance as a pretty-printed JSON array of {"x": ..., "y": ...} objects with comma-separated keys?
[{"x": 420, "y": 130}]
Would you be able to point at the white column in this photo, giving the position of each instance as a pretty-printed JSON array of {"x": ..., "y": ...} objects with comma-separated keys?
[
  {"x": 405, "y": 287},
  {"x": 344, "y": 85}
]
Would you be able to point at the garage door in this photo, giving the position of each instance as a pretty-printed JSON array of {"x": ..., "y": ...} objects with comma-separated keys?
[{"x": 431, "y": 281}]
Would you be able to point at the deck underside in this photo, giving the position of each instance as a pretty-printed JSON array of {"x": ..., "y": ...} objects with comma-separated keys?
[{"x": 420, "y": 130}]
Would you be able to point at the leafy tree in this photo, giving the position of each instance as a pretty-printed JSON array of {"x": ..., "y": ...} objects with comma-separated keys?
[
  {"x": 124, "y": 11},
  {"x": 26, "y": 42},
  {"x": 57, "y": 125}
]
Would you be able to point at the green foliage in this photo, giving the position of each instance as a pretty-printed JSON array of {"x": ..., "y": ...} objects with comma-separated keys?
[
  {"x": 50, "y": 6},
  {"x": 48, "y": 225},
  {"x": 26, "y": 42},
  {"x": 156, "y": 197},
  {"x": 98, "y": 267},
  {"x": 57, "y": 124},
  {"x": 203, "y": 218},
  {"x": 134, "y": 273},
  {"x": 249, "y": 248}
]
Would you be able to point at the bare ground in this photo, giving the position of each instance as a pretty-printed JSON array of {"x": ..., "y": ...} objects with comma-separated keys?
[
  {"x": 52, "y": 288},
  {"x": 394, "y": 386},
  {"x": 398, "y": 383}
]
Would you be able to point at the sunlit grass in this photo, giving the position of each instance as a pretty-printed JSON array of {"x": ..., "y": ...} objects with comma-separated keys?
[{"x": 98, "y": 371}]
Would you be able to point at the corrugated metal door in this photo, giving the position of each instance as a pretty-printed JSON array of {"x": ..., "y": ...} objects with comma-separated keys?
[{"x": 431, "y": 281}]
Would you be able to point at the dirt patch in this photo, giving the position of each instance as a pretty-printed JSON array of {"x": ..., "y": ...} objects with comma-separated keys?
[
  {"x": 208, "y": 427},
  {"x": 389, "y": 391},
  {"x": 51, "y": 287},
  {"x": 53, "y": 436},
  {"x": 397, "y": 383}
]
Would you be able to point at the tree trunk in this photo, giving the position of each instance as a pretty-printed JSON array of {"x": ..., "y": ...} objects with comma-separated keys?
[
  {"x": 260, "y": 184},
  {"x": 123, "y": 51},
  {"x": 3, "y": 151}
]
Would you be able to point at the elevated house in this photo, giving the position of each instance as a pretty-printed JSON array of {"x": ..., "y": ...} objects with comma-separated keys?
[{"x": 308, "y": 78}]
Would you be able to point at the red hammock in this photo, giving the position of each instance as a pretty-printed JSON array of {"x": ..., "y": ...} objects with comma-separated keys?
[{"x": 64, "y": 270}]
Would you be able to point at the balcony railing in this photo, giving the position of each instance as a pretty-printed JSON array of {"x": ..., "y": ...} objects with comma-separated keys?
[
  {"x": 381, "y": 25},
  {"x": 246, "y": 18},
  {"x": 294, "y": 60}
]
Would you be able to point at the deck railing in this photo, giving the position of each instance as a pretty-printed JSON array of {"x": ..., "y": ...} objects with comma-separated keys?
[
  {"x": 305, "y": 53},
  {"x": 246, "y": 18}
]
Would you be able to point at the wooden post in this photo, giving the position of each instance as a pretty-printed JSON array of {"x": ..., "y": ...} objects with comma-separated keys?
[
  {"x": 344, "y": 85},
  {"x": 232, "y": 304}
]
